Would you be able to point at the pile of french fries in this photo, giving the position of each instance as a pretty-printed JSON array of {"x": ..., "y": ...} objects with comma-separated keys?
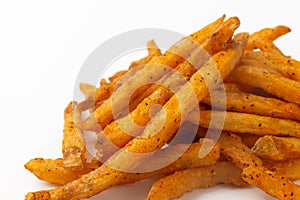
[{"x": 259, "y": 138}]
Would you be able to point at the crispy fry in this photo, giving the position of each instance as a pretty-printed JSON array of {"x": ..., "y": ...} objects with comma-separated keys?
[
  {"x": 264, "y": 38},
  {"x": 189, "y": 159},
  {"x": 254, "y": 104},
  {"x": 236, "y": 152},
  {"x": 285, "y": 70},
  {"x": 248, "y": 139},
  {"x": 104, "y": 177},
  {"x": 53, "y": 171},
  {"x": 115, "y": 132},
  {"x": 288, "y": 168},
  {"x": 277, "y": 148},
  {"x": 73, "y": 145},
  {"x": 272, "y": 183},
  {"x": 268, "y": 81},
  {"x": 248, "y": 123},
  {"x": 175, "y": 185},
  {"x": 87, "y": 89},
  {"x": 103, "y": 114}
]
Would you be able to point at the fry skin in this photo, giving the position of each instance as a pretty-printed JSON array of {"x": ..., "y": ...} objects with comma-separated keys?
[
  {"x": 175, "y": 185},
  {"x": 276, "y": 185},
  {"x": 277, "y": 148}
]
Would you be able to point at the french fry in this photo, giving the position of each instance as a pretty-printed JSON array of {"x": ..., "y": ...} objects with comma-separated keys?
[
  {"x": 104, "y": 176},
  {"x": 247, "y": 123},
  {"x": 277, "y": 148},
  {"x": 175, "y": 185},
  {"x": 236, "y": 152},
  {"x": 264, "y": 38},
  {"x": 275, "y": 59},
  {"x": 73, "y": 145},
  {"x": 285, "y": 70},
  {"x": 288, "y": 168},
  {"x": 152, "y": 71},
  {"x": 248, "y": 139},
  {"x": 113, "y": 132},
  {"x": 272, "y": 183},
  {"x": 272, "y": 83},
  {"x": 254, "y": 104},
  {"x": 53, "y": 171},
  {"x": 189, "y": 159}
]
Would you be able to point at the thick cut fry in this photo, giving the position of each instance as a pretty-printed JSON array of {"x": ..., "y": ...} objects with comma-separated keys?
[
  {"x": 248, "y": 123},
  {"x": 268, "y": 81},
  {"x": 272, "y": 183},
  {"x": 152, "y": 71},
  {"x": 53, "y": 171},
  {"x": 73, "y": 145},
  {"x": 175, "y": 185},
  {"x": 236, "y": 152},
  {"x": 88, "y": 90},
  {"x": 116, "y": 133},
  {"x": 254, "y": 104},
  {"x": 277, "y": 148},
  {"x": 288, "y": 168},
  {"x": 264, "y": 38},
  {"x": 189, "y": 159}
]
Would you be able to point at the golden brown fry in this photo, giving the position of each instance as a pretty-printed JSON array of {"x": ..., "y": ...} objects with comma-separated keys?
[
  {"x": 188, "y": 159},
  {"x": 236, "y": 152},
  {"x": 73, "y": 145},
  {"x": 103, "y": 114},
  {"x": 268, "y": 81},
  {"x": 248, "y": 123},
  {"x": 275, "y": 59},
  {"x": 288, "y": 168},
  {"x": 53, "y": 171},
  {"x": 264, "y": 38},
  {"x": 277, "y": 148},
  {"x": 285, "y": 70},
  {"x": 115, "y": 132},
  {"x": 175, "y": 185},
  {"x": 254, "y": 104},
  {"x": 272, "y": 183}
]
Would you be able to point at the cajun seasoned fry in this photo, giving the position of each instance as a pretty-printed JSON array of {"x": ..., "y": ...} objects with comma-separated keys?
[
  {"x": 154, "y": 69},
  {"x": 272, "y": 183},
  {"x": 53, "y": 171},
  {"x": 189, "y": 159},
  {"x": 248, "y": 123},
  {"x": 175, "y": 185},
  {"x": 264, "y": 38},
  {"x": 236, "y": 152},
  {"x": 73, "y": 145},
  {"x": 288, "y": 168},
  {"x": 277, "y": 148},
  {"x": 285, "y": 70},
  {"x": 254, "y": 104},
  {"x": 268, "y": 81},
  {"x": 116, "y": 131}
]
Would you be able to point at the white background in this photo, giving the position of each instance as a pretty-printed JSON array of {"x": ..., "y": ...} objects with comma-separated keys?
[{"x": 43, "y": 45}]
